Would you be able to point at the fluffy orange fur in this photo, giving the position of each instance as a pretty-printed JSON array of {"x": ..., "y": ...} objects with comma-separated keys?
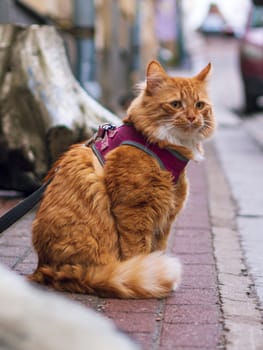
[{"x": 104, "y": 230}]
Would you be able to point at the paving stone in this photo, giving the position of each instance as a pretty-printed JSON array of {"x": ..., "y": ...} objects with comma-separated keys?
[
  {"x": 199, "y": 259},
  {"x": 90, "y": 301},
  {"x": 199, "y": 282},
  {"x": 133, "y": 321},
  {"x": 191, "y": 314},
  {"x": 251, "y": 339},
  {"x": 193, "y": 218},
  {"x": 7, "y": 203},
  {"x": 9, "y": 261},
  {"x": 113, "y": 305},
  {"x": 192, "y": 233},
  {"x": 12, "y": 251},
  {"x": 25, "y": 269},
  {"x": 200, "y": 270},
  {"x": 190, "y": 335},
  {"x": 195, "y": 245},
  {"x": 143, "y": 339},
  {"x": 193, "y": 297},
  {"x": 31, "y": 258}
]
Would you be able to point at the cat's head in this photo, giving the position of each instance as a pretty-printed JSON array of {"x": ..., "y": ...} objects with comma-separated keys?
[{"x": 172, "y": 110}]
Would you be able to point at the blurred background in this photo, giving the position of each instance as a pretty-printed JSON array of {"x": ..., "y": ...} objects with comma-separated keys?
[
  {"x": 109, "y": 42},
  {"x": 108, "y": 45}
]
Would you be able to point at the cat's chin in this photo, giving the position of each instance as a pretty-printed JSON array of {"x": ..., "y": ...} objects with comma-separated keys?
[
  {"x": 191, "y": 141},
  {"x": 175, "y": 136},
  {"x": 165, "y": 134}
]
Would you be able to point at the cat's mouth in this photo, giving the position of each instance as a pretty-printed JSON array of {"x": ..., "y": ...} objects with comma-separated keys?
[{"x": 192, "y": 127}]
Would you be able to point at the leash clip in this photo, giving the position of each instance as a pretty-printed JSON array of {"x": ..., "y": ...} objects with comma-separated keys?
[{"x": 102, "y": 130}]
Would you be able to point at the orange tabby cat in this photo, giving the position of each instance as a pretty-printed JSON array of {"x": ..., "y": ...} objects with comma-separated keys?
[{"x": 103, "y": 229}]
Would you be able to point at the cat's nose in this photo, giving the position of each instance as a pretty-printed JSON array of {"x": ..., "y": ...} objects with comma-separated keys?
[{"x": 191, "y": 118}]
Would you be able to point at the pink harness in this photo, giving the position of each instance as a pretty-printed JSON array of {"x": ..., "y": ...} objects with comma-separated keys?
[{"x": 112, "y": 137}]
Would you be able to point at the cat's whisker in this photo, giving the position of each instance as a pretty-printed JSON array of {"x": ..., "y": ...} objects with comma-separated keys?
[{"x": 209, "y": 126}]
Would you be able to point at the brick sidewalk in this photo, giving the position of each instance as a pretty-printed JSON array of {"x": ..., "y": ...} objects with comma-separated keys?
[{"x": 190, "y": 318}]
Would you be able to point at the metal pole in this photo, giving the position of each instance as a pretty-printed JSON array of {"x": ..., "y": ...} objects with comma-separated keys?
[
  {"x": 179, "y": 27},
  {"x": 84, "y": 15}
]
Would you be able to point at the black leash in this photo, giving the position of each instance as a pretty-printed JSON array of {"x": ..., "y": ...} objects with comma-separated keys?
[
  {"x": 14, "y": 214},
  {"x": 28, "y": 203}
]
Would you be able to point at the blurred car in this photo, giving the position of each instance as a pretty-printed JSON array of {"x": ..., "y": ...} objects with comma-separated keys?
[
  {"x": 251, "y": 57},
  {"x": 214, "y": 23}
]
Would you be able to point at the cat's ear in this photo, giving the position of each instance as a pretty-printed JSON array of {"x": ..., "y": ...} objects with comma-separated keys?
[
  {"x": 155, "y": 76},
  {"x": 204, "y": 75}
]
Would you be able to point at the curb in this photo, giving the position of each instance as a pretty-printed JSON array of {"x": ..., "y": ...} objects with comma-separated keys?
[{"x": 241, "y": 317}]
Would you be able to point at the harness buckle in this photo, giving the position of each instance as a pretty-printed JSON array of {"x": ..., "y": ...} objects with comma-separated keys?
[
  {"x": 100, "y": 133},
  {"x": 104, "y": 128}
]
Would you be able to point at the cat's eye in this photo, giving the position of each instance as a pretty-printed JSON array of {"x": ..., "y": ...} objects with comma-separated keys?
[
  {"x": 176, "y": 104},
  {"x": 200, "y": 105}
]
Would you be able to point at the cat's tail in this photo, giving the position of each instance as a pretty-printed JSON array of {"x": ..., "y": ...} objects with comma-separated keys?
[{"x": 145, "y": 276}]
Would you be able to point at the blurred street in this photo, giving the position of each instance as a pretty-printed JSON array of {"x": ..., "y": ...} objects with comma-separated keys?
[{"x": 218, "y": 237}]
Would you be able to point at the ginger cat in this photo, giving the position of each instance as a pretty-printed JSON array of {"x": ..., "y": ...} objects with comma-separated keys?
[{"x": 103, "y": 229}]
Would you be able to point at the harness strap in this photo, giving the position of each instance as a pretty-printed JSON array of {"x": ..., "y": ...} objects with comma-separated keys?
[
  {"x": 111, "y": 137},
  {"x": 144, "y": 149},
  {"x": 129, "y": 143},
  {"x": 98, "y": 154}
]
